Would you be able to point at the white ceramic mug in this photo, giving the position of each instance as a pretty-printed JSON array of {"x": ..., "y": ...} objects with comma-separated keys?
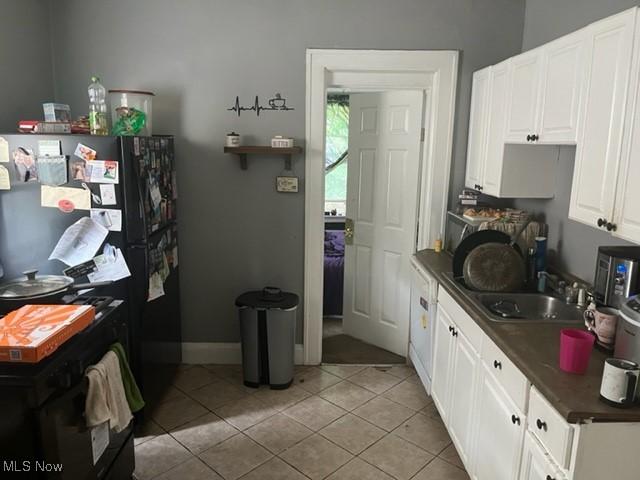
[
  {"x": 603, "y": 322},
  {"x": 619, "y": 386}
]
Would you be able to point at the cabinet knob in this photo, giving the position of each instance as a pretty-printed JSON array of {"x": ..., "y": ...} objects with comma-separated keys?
[
  {"x": 541, "y": 425},
  {"x": 455, "y": 332},
  {"x": 480, "y": 188},
  {"x": 611, "y": 227},
  {"x": 450, "y": 329},
  {"x": 528, "y": 138},
  {"x": 515, "y": 420},
  {"x": 602, "y": 222},
  {"x": 549, "y": 477},
  {"x": 497, "y": 364},
  {"x": 535, "y": 137}
]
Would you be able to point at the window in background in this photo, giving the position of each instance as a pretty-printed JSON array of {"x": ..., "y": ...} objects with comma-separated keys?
[{"x": 337, "y": 143}]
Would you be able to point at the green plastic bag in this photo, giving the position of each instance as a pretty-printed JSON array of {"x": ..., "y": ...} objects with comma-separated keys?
[{"x": 130, "y": 121}]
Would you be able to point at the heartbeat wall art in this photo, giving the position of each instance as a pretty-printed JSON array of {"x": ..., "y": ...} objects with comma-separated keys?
[{"x": 276, "y": 103}]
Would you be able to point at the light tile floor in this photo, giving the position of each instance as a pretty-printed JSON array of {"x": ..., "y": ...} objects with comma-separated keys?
[{"x": 335, "y": 422}]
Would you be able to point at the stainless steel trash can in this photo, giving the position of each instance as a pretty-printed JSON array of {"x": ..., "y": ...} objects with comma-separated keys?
[{"x": 268, "y": 331}]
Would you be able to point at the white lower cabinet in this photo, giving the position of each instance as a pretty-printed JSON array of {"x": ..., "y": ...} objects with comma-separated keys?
[
  {"x": 536, "y": 463},
  {"x": 500, "y": 432},
  {"x": 463, "y": 393},
  {"x": 442, "y": 371}
]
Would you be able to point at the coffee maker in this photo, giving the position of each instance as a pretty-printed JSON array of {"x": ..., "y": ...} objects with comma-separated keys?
[{"x": 617, "y": 275}]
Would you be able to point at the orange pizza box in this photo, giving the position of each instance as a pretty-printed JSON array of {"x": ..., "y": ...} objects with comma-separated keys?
[{"x": 33, "y": 332}]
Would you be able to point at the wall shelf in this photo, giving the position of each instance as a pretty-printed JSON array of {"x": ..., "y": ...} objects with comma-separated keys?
[{"x": 265, "y": 150}]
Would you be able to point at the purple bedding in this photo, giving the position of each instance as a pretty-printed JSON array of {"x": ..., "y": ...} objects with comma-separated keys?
[{"x": 333, "y": 272}]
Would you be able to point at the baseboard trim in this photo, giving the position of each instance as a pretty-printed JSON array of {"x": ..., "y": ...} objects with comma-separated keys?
[{"x": 223, "y": 353}]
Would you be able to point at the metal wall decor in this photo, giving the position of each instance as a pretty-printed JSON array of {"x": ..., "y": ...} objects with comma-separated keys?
[{"x": 275, "y": 103}]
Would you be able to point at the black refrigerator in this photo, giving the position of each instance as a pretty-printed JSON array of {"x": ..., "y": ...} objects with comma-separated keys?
[{"x": 146, "y": 195}]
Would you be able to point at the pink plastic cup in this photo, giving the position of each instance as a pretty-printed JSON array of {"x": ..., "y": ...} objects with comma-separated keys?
[{"x": 575, "y": 350}]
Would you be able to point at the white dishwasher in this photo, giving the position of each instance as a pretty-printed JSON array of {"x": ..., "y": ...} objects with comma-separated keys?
[{"x": 424, "y": 297}]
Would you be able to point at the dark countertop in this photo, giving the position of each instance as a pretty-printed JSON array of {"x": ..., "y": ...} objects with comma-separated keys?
[{"x": 534, "y": 349}]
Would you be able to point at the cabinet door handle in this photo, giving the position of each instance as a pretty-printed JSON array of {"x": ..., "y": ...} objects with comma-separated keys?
[
  {"x": 535, "y": 137},
  {"x": 497, "y": 364},
  {"x": 450, "y": 329},
  {"x": 541, "y": 425},
  {"x": 515, "y": 420},
  {"x": 528, "y": 138},
  {"x": 611, "y": 227},
  {"x": 455, "y": 332},
  {"x": 602, "y": 222},
  {"x": 549, "y": 477}
]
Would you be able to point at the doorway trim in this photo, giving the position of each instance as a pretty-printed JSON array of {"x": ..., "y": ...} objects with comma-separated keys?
[{"x": 434, "y": 72}]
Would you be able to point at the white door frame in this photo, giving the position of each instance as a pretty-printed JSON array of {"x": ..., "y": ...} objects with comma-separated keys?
[{"x": 436, "y": 73}]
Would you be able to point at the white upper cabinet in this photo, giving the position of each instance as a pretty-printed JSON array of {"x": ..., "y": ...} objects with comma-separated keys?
[
  {"x": 562, "y": 82},
  {"x": 524, "y": 92},
  {"x": 598, "y": 153},
  {"x": 476, "y": 148},
  {"x": 492, "y": 171},
  {"x": 545, "y": 87}
]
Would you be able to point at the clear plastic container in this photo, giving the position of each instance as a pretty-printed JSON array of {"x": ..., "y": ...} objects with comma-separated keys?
[{"x": 123, "y": 100}]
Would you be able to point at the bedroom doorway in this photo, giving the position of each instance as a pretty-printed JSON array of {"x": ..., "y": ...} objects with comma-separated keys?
[{"x": 372, "y": 157}]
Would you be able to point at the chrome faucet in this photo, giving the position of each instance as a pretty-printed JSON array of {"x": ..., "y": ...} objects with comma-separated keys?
[{"x": 542, "y": 281}]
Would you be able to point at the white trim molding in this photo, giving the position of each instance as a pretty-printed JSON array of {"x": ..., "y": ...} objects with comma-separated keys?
[
  {"x": 435, "y": 73},
  {"x": 200, "y": 353}
]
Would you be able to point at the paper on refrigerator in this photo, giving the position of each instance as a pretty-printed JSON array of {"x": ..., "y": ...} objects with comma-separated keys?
[
  {"x": 109, "y": 218},
  {"x": 61, "y": 197},
  {"x": 108, "y": 194},
  {"x": 156, "y": 289},
  {"x": 109, "y": 267},
  {"x": 79, "y": 242},
  {"x": 102, "y": 171},
  {"x": 4, "y": 150}
]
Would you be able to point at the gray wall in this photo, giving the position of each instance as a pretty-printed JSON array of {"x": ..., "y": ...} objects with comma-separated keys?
[
  {"x": 25, "y": 61},
  {"x": 572, "y": 245},
  {"x": 237, "y": 233}
]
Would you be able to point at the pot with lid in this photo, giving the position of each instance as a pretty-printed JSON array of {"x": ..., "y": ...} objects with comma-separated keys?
[{"x": 39, "y": 289}]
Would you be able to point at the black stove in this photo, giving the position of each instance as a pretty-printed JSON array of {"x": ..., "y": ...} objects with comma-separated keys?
[{"x": 42, "y": 405}]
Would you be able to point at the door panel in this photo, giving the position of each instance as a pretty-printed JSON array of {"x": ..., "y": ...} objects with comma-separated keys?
[
  {"x": 492, "y": 175},
  {"x": 499, "y": 440},
  {"x": 382, "y": 192},
  {"x": 463, "y": 388},
  {"x": 561, "y": 89},
  {"x": 536, "y": 464},
  {"x": 442, "y": 345},
  {"x": 523, "y": 94},
  {"x": 609, "y": 46},
  {"x": 477, "y": 128}
]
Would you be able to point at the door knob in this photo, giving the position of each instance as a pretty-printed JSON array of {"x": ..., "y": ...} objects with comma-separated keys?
[{"x": 348, "y": 231}]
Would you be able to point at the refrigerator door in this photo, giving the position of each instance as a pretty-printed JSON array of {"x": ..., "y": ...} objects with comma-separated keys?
[
  {"x": 155, "y": 304},
  {"x": 28, "y": 231},
  {"x": 150, "y": 192}
]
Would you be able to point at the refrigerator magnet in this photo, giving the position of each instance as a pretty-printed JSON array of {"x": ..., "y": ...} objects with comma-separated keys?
[
  {"x": 4, "y": 150},
  {"x": 25, "y": 164},
  {"x": 5, "y": 183},
  {"x": 85, "y": 153}
]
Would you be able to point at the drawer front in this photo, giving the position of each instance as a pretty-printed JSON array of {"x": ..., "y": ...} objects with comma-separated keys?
[
  {"x": 463, "y": 321},
  {"x": 508, "y": 375},
  {"x": 550, "y": 428}
]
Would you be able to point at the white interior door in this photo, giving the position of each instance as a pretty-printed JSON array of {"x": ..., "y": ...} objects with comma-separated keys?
[{"x": 382, "y": 193}]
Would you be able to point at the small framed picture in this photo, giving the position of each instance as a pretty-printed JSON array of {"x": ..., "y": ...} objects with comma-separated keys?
[{"x": 287, "y": 184}]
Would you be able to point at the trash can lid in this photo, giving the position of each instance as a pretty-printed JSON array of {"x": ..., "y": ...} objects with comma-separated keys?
[{"x": 268, "y": 297}]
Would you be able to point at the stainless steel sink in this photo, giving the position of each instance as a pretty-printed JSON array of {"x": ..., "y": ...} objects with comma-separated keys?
[
  {"x": 538, "y": 307},
  {"x": 521, "y": 307}
]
